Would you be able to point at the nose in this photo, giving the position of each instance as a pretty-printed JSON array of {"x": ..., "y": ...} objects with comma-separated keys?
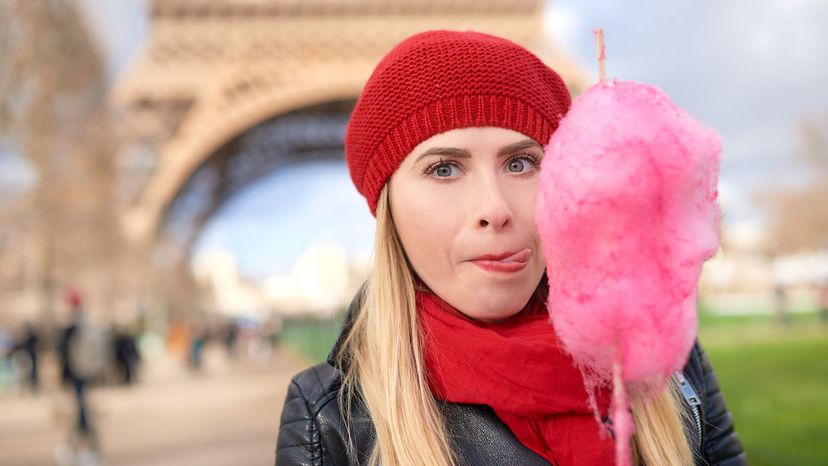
[{"x": 493, "y": 210}]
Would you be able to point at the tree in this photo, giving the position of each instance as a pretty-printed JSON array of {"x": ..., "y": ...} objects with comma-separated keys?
[
  {"x": 799, "y": 216},
  {"x": 53, "y": 112}
]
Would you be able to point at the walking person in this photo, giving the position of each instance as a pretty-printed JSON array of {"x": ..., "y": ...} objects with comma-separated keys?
[
  {"x": 28, "y": 347},
  {"x": 83, "y": 355}
]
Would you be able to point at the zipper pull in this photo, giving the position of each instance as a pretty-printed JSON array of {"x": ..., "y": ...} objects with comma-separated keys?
[{"x": 687, "y": 390}]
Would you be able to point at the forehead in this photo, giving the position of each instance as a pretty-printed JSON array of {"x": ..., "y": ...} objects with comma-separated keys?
[
  {"x": 476, "y": 140},
  {"x": 473, "y": 136}
]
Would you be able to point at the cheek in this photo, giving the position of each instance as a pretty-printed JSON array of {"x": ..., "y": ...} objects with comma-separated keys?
[
  {"x": 426, "y": 224},
  {"x": 523, "y": 204}
]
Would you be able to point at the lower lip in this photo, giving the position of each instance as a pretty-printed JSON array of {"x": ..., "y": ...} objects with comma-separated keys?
[{"x": 502, "y": 267}]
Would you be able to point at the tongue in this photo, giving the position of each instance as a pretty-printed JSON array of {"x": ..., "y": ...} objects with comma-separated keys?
[{"x": 520, "y": 256}]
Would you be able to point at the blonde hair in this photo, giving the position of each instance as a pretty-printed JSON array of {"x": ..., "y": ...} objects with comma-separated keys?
[{"x": 385, "y": 371}]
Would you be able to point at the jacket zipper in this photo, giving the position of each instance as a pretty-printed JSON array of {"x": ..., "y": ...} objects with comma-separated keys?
[{"x": 692, "y": 399}]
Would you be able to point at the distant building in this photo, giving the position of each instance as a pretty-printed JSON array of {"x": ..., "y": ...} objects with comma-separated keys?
[
  {"x": 742, "y": 278},
  {"x": 321, "y": 283}
]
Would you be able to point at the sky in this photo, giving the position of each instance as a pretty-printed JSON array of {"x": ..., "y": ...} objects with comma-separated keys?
[
  {"x": 282, "y": 214},
  {"x": 751, "y": 70}
]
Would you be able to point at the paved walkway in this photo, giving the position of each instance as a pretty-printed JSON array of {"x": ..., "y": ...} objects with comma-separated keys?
[{"x": 228, "y": 415}]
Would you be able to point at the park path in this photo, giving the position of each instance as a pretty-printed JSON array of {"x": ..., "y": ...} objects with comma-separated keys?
[{"x": 227, "y": 415}]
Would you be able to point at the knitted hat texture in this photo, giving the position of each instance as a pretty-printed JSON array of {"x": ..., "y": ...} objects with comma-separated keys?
[{"x": 437, "y": 81}]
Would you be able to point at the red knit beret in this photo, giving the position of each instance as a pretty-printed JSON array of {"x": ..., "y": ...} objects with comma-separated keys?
[{"x": 437, "y": 81}]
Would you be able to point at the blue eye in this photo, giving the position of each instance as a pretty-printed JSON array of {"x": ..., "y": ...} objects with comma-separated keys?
[
  {"x": 443, "y": 170},
  {"x": 522, "y": 164}
]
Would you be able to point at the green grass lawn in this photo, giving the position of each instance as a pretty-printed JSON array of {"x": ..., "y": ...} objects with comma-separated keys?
[
  {"x": 775, "y": 379},
  {"x": 775, "y": 382},
  {"x": 311, "y": 338}
]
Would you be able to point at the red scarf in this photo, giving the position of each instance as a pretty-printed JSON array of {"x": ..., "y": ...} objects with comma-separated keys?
[{"x": 518, "y": 369}]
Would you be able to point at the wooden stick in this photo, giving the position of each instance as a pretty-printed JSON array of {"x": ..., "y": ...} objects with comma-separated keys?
[
  {"x": 602, "y": 57},
  {"x": 622, "y": 422}
]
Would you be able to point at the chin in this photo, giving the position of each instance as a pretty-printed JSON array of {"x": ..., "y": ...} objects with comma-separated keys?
[{"x": 498, "y": 307}]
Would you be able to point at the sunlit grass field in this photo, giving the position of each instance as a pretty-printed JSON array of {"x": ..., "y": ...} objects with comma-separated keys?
[
  {"x": 775, "y": 382},
  {"x": 775, "y": 379}
]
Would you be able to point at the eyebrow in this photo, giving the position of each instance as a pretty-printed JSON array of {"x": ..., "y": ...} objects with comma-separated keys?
[{"x": 464, "y": 154}]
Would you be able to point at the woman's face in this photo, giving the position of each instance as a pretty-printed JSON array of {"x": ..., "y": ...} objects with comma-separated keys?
[{"x": 463, "y": 203}]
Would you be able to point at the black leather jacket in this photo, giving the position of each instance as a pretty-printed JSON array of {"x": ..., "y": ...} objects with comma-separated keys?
[{"x": 312, "y": 431}]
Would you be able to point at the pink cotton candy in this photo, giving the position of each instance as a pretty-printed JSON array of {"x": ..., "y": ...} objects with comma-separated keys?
[{"x": 627, "y": 214}]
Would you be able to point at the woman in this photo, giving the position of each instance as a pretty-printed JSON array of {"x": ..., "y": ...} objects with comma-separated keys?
[{"x": 447, "y": 355}]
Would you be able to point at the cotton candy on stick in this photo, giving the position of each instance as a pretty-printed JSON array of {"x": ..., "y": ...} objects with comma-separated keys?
[{"x": 627, "y": 214}]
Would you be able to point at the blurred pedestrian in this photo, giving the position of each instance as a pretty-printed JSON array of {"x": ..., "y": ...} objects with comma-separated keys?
[
  {"x": 127, "y": 356},
  {"x": 178, "y": 339},
  {"x": 82, "y": 354},
  {"x": 231, "y": 338},
  {"x": 198, "y": 338},
  {"x": 273, "y": 330},
  {"x": 27, "y": 346},
  {"x": 781, "y": 305},
  {"x": 7, "y": 343}
]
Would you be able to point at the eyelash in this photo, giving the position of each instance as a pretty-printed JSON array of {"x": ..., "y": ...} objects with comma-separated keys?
[{"x": 534, "y": 160}]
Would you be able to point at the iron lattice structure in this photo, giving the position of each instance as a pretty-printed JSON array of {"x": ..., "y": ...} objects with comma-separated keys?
[{"x": 228, "y": 90}]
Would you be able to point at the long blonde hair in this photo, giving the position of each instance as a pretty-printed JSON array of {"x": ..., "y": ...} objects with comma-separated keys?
[{"x": 385, "y": 372}]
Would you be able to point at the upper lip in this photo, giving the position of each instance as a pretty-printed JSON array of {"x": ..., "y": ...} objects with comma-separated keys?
[{"x": 501, "y": 256}]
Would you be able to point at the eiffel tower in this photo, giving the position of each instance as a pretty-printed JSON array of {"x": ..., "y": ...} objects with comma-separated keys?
[{"x": 229, "y": 90}]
